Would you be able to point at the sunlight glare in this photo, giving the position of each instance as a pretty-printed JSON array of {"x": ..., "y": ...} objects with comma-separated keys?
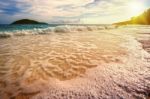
[{"x": 136, "y": 8}]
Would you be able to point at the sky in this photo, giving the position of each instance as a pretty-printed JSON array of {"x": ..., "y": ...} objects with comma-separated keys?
[{"x": 71, "y": 11}]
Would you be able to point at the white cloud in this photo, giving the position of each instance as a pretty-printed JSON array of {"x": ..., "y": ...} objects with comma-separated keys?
[{"x": 48, "y": 10}]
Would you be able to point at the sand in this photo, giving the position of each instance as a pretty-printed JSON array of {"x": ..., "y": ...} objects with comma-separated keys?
[{"x": 83, "y": 65}]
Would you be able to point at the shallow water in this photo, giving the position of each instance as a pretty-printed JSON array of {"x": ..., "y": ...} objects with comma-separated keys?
[{"x": 60, "y": 65}]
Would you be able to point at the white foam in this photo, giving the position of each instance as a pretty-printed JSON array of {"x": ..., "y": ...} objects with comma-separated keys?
[
  {"x": 5, "y": 35},
  {"x": 62, "y": 29},
  {"x": 57, "y": 29}
]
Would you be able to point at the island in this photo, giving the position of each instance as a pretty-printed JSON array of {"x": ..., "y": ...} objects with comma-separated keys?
[
  {"x": 143, "y": 19},
  {"x": 26, "y": 21}
]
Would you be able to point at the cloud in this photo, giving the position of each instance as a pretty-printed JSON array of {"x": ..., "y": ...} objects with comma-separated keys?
[{"x": 65, "y": 11}]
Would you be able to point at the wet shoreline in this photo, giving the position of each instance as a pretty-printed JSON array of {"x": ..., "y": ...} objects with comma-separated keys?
[{"x": 85, "y": 65}]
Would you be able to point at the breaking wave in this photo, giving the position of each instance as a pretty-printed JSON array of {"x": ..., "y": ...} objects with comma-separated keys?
[{"x": 57, "y": 29}]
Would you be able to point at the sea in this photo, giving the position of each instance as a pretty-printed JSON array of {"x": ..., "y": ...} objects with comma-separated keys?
[{"x": 31, "y": 29}]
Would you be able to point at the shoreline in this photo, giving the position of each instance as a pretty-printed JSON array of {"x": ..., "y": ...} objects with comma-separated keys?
[{"x": 121, "y": 71}]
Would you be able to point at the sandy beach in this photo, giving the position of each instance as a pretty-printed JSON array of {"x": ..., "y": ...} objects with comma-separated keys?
[{"x": 94, "y": 64}]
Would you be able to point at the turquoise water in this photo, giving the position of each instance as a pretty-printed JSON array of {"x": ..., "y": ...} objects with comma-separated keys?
[
  {"x": 9, "y": 28},
  {"x": 5, "y": 28}
]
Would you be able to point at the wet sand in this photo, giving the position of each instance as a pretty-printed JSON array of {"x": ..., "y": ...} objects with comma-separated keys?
[{"x": 86, "y": 65}]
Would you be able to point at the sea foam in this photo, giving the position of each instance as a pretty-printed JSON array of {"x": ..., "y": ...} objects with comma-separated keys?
[
  {"x": 93, "y": 64},
  {"x": 57, "y": 29}
]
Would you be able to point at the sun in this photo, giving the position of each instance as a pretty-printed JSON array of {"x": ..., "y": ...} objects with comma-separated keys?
[{"x": 136, "y": 8}]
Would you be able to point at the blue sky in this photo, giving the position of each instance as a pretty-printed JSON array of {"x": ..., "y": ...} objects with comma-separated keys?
[{"x": 71, "y": 11}]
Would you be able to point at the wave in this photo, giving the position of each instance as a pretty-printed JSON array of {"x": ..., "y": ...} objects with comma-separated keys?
[{"x": 57, "y": 29}]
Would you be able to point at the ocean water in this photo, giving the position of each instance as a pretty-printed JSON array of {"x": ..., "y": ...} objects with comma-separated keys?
[
  {"x": 74, "y": 61},
  {"x": 4, "y": 28},
  {"x": 20, "y": 30}
]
